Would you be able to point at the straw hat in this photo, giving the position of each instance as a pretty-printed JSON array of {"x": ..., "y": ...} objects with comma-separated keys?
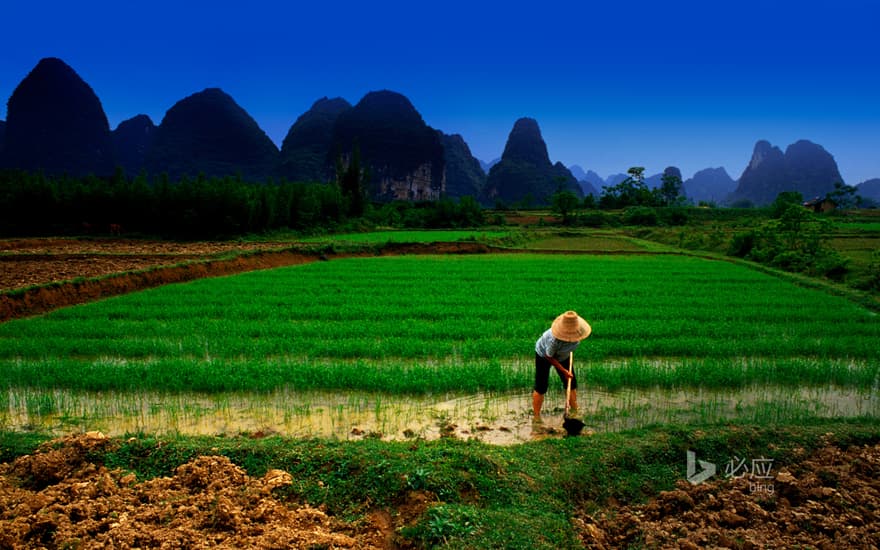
[{"x": 570, "y": 327}]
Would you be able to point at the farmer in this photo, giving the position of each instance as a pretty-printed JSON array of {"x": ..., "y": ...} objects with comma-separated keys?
[{"x": 553, "y": 348}]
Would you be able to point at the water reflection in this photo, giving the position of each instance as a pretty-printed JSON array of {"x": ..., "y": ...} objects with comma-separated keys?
[{"x": 493, "y": 418}]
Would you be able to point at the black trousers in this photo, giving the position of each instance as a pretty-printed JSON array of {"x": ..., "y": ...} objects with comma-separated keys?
[{"x": 542, "y": 374}]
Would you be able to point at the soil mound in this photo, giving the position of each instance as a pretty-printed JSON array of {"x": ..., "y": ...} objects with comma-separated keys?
[
  {"x": 828, "y": 500},
  {"x": 59, "y": 498}
]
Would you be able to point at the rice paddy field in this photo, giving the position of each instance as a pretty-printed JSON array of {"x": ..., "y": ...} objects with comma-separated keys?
[{"x": 433, "y": 346}]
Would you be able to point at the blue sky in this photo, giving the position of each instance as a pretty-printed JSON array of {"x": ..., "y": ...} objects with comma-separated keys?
[{"x": 611, "y": 84}]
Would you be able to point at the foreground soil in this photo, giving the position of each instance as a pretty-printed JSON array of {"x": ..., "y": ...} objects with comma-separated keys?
[
  {"x": 829, "y": 500},
  {"x": 59, "y": 498}
]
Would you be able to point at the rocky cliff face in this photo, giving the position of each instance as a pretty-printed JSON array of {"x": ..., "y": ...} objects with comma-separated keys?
[
  {"x": 131, "y": 141},
  {"x": 525, "y": 171},
  {"x": 55, "y": 123},
  {"x": 711, "y": 185},
  {"x": 305, "y": 152},
  {"x": 208, "y": 132},
  {"x": 464, "y": 175},
  {"x": 404, "y": 155},
  {"x": 805, "y": 167}
]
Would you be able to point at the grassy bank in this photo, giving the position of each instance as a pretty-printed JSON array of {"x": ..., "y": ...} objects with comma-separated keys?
[{"x": 482, "y": 496}]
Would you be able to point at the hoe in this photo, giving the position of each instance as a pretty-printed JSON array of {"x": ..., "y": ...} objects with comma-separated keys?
[{"x": 572, "y": 426}]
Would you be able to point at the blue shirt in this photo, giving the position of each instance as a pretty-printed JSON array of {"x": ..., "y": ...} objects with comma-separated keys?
[{"x": 551, "y": 346}]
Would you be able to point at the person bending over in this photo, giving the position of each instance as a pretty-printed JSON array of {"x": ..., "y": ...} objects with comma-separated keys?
[{"x": 553, "y": 349}]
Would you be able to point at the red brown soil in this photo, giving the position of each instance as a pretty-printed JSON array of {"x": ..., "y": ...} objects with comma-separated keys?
[
  {"x": 29, "y": 262},
  {"x": 58, "y": 498},
  {"x": 829, "y": 500},
  {"x": 46, "y": 274}
]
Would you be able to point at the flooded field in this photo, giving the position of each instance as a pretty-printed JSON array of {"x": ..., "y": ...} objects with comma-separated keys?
[{"x": 493, "y": 418}]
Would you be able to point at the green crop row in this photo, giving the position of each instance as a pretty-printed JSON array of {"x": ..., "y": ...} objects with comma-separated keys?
[
  {"x": 423, "y": 323},
  {"x": 410, "y": 236}
]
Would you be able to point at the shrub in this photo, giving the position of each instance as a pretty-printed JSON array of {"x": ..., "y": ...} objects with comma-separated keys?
[
  {"x": 596, "y": 218},
  {"x": 640, "y": 215},
  {"x": 674, "y": 216}
]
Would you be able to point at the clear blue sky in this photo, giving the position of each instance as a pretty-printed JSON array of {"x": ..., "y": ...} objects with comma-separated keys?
[{"x": 692, "y": 84}]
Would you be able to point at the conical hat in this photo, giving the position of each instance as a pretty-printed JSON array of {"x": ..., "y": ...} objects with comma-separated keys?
[{"x": 570, "y": 327}]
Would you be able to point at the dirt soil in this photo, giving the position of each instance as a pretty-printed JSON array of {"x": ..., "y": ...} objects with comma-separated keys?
[
  {"x": 829, "y": 500},
  {"x": 59, "y": 498},
  {"x": 76, "y": 271},
  {"x": 28, "y": 262}
]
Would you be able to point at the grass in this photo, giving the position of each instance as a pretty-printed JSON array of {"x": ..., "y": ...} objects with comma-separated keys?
[
  {"x": 403, "y": 236},
  {"x": 367, "y": 324},
  {"x": 417, "y": 325},
  {"x": 584, "y": 241},
  {"x": 483, "y": 496}
]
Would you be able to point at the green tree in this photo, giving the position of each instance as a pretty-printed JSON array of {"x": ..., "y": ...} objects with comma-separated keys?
[
  {"x": 784, "y": 200},
  {"x": 795, "y": 241},
  {"x": 352, "y": 182},
  {"x": 564, "y": 203},
  {"x": 630, "y": 192},
  {"x": 844, "y": 196},
  {"x": 670, "y": 190}
]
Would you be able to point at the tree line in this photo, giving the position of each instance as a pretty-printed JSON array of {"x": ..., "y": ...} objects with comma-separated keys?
[{"x": 207, "y": 207}]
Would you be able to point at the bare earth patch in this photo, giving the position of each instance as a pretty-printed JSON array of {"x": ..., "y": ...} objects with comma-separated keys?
[
  {"x": 57, "y": 498},
  {"x": 828, "y": 500},
  {"x": 28, "y": 262}
]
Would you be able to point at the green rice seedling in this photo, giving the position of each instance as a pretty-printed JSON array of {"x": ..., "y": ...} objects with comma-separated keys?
[{"x": 429, "y": 324}]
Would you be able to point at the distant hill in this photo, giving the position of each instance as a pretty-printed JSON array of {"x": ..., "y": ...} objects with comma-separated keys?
[
  {"x": 591, "y": 183},
  {"x": 305, "y": 152},
  {"x": 869, "y": 189},
  {"x": 55, "y": 123},
  {"x": 655, "y": 181},
  {"x": 595, "y": 181},
  {"x": 805, "y": 167},
  {"x": 486, "y": 166},
  {"x": 131, "y": 141},
  {"x": 405, "y": 156},
  {"x": 578, "y": 172},
  {"x": 2, "y": 135},
  {"x": 588, "y": 188},
  {"x": 208, "y": 132},
  {"x": 711, "y": 185},
  {"x": 464, "y": 175},
  {"x": 614, "y": 179},
  {"x": 525, "y": 170}
]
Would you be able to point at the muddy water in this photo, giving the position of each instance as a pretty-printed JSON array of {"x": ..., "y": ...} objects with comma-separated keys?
[{"x": 493, "y": 418}]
